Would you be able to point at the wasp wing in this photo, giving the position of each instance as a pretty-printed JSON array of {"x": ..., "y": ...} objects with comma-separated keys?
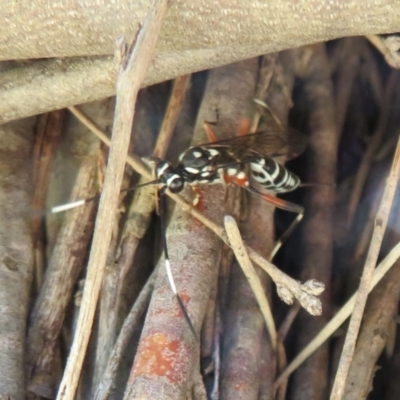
[{"x": 288, "y": 142}]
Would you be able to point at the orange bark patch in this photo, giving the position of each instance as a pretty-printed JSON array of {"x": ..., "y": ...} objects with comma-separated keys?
[{"x": 158, "y": 356}]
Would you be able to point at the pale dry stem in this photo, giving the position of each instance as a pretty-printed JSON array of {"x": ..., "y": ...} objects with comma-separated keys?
[
  {"x": 243, "y": 259},
  {"x": 338, "y": 319},
  {"x": 366, "y": 279}
]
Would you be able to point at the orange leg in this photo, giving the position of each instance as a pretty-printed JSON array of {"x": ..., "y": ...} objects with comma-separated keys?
[
  {"x": 241, "y": 181},
  {"x": 198, "y": 201},
  {"x": 244, "y": 127},
  {"x": 283, "y": 205},
  {"x": 210, "y": 133}
]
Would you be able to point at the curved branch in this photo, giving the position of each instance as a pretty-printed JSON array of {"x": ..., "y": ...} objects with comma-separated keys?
[
  {"x": 66, "y": 28},
  {"x": 196, "y": 36}
]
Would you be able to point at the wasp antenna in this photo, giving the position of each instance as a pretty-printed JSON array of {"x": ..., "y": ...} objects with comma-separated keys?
[
  {"x": 150, "y": 183},
  {"x": 171, "y": 281},
  {"x": 78, "y": 203},
  {"x": 70, "y": 206}
]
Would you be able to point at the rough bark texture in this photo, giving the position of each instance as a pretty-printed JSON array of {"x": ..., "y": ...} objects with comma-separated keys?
[
  {"x": 194, "y": 252},
  {"x": 69, "y": 253},
  {"x": 65, "y": 28},
  {"x": 240, "y": 98},
  {"x": 381, "y": 310},
  {"x": 196, "y": 36},
  {"x": 310, "y": 381},
  {"x": 15, "y": 253},
  {"x": 242, "y": 376}
]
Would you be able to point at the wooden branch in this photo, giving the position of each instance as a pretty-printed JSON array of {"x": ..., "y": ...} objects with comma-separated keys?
[
  {"x": 178, "y": 95},
  {"x": 130, "y": 324},
  {"x": 65, "y": 29},
  {"x": 16, "y": 262},
  {"x": 310, "y": 381},
  {"x": 244, "y": 374},
  {"x": 365, "y": 284},
  {"x": 133, "y": 66},
  {"x": 380, "y": 313},
  {"x": 48, "y": 130},
  {"x": 192, "y": 248},
  {"x": 194, "y": 39},
  {"x": 62, "y": 273},
  {"x": 61, "y": 83},
  {"x": 138, "y": 220}
]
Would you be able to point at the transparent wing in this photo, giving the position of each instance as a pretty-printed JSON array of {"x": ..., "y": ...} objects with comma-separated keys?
[{"x": 288, "y": 142}]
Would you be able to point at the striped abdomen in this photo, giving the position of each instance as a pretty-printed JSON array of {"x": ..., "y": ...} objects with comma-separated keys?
[{"x": 273, "y": 176}]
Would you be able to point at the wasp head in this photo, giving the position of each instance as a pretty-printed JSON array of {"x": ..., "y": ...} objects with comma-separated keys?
[{"x": 168, "y": 176}]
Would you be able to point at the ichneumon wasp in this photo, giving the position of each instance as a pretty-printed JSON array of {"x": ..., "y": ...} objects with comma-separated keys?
[{"x": 241, "y": 160}]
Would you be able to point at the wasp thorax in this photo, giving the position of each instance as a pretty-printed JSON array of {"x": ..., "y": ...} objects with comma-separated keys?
[{"x": 196, "y": 159}]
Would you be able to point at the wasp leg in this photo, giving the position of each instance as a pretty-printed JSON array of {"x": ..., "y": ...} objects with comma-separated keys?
[
  {"x": 210, "y": 133},
  {"x": 283, "y": 205},
  {"x": 244, "y": 127},
  {"x": 198, "y": 200}
]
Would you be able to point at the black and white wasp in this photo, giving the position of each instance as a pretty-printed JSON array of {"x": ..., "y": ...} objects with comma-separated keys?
[
  {"x": 241, "y": 160},
  {"x": 235, "y": 160}
]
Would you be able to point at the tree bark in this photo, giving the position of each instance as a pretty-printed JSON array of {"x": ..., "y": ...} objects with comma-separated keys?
[
  {"x": 310, "y": 380},
  {"x": 15, "y": 254},
  {"x": 196, "y": 36},
  {"x": 66, "y": 28}
]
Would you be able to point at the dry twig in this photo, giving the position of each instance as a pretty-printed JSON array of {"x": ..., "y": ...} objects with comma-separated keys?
[
  {"x": 374, "y": 144},
  {"x": 133, "y": 68},
  {"x": 365, "y": 284},
  {"x": 236, "y": 242},
  {"x": 138, "y": 220},
  {"x": 339, "y": 318}
]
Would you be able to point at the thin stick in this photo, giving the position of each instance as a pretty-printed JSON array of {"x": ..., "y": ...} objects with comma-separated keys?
[
  {"x": 175, "y": 103},
  {"x": 365, "y": 284},
  {"x": 339, "y": 318},
  {"x": 238, "y": 248},
  {"x": 288, "y": 322},
  {"x": 135, "y": 162},
  {"x": 373, "y": 146},
  {"x": 134, "y": 66}
]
